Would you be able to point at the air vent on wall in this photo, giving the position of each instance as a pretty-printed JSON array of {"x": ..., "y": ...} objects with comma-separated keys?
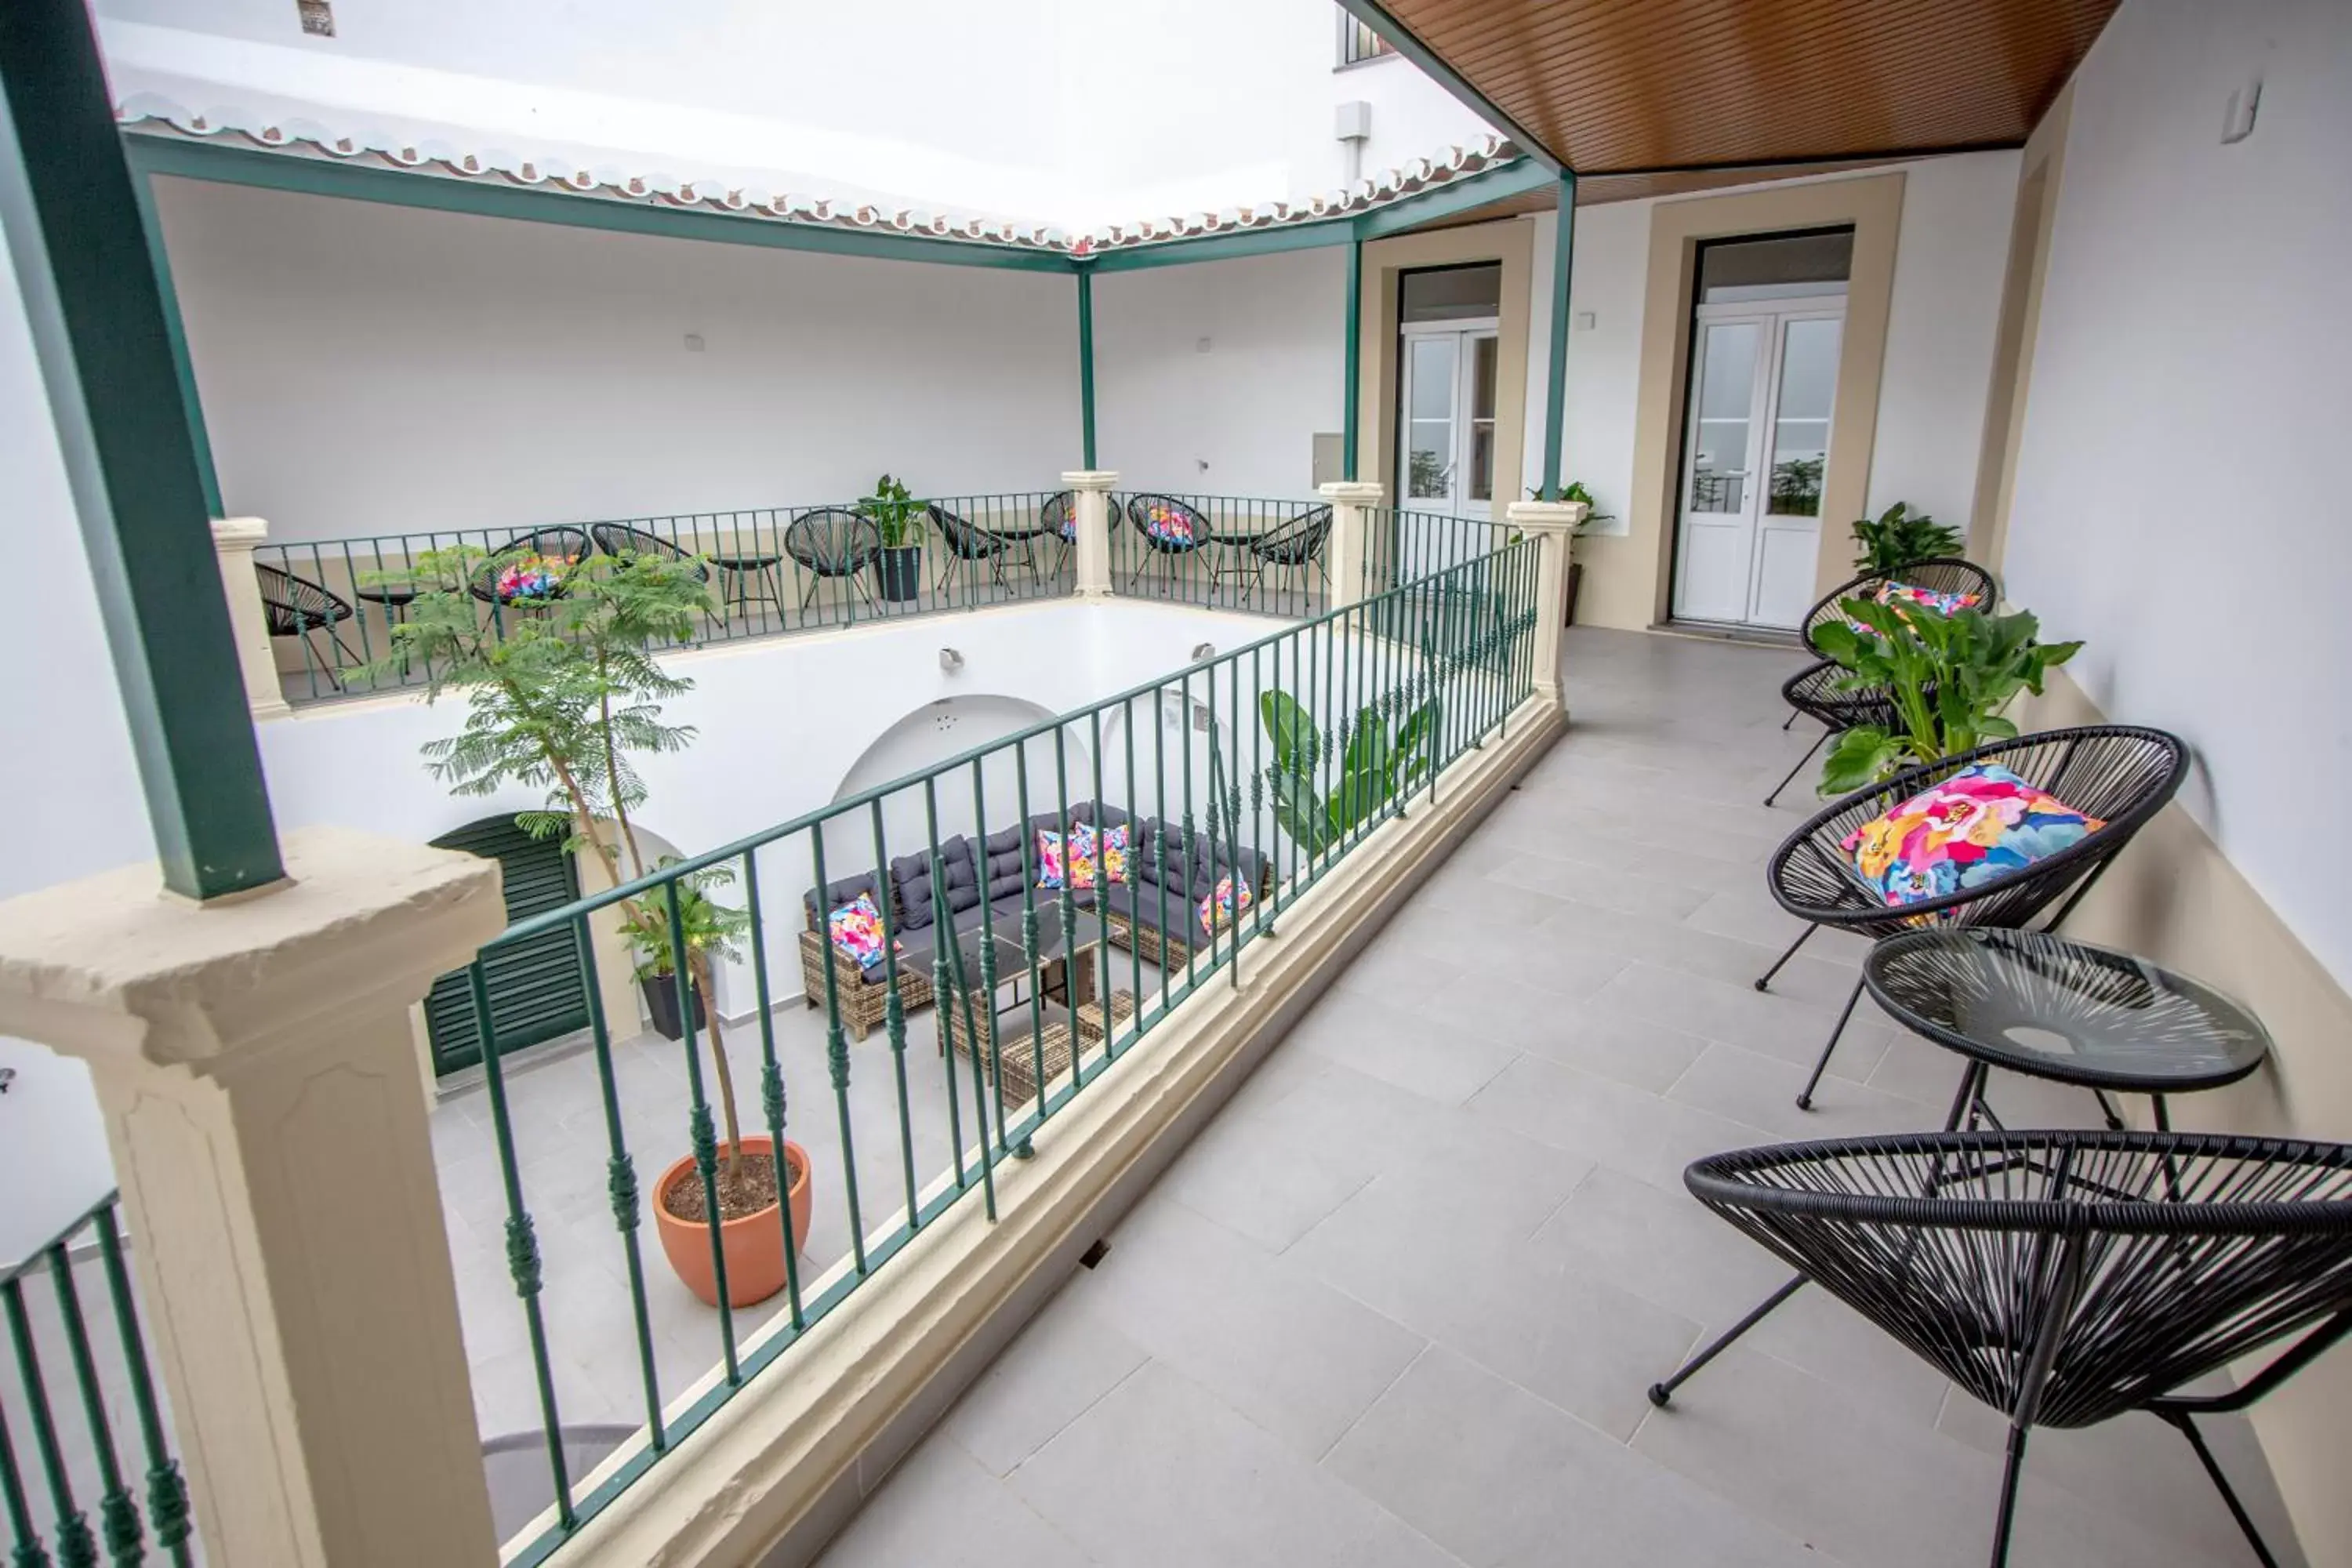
[{"x": 318, "y": 17}]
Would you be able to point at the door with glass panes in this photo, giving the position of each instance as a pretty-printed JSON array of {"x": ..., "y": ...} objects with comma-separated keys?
[
  {"x": 1763, "y": 387},
  {"x": 1445, "y": 461}
]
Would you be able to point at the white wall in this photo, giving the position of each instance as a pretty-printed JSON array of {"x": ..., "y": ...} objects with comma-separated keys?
[
  {"x": 367, "y": 369},
  {"x": 1250, "y": 405},
  {"x": 1060, "y": 112},
  {"x": 2178, "y": 488},
  {"x": 1952, "y": 251}
]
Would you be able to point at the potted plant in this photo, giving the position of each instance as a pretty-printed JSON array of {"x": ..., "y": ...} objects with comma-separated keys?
[
  {"x": 564, "y": 703},
  {"x": 899, "y": 569},
  {"x": 1899, "y": 537},
  {"x": 1948, "y": 676},
  {"x": 1576, "y": 491},
  {"x": 1377, "y": 763}
]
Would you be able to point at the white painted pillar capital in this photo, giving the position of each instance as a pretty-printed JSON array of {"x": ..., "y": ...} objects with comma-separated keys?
[
  {"x": 1350, "y": 535},
  {"x": 254, "y": 1062},
  {"x": 1552, "y": 524},
  {"x": 1090, "y": 490},
  {"x": 234, "y": 539}
]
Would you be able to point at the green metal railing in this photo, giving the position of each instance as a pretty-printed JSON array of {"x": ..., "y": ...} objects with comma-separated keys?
[
  {"x": 63, "y": 1438},
  {"x": 1260, "y": 768},
  {"x": 1231, "y": 553},
  {"x": 772, "y": 570}
]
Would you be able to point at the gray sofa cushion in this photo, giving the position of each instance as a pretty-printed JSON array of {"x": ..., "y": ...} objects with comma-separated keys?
[
  {"x": 910, "y": 875},
  {"x": 840, "y": 891}
]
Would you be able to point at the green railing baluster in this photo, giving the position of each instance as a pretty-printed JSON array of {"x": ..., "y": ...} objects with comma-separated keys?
[
  {"x": 894, "y": 1012},
  {"x": 943, "y": 935},
  {"x": 167, "y": 1491},
  {"x": 1066, "y": 905},
  {"x": 995, "y": 1044},
  {"x": 1029, "y": 938},
  {"x": 118, "y": 1516},
  {"x": 28, "y": 1551},
  {"x": 620, "y": 1180},
  {"x": 773, "y": 1105},
  {"x": 702, "y": 1134},
  {"x": 76, "y": 1548},
  {"x": 836, "y": 1053},
  {"x": 522, "y": 1241}
]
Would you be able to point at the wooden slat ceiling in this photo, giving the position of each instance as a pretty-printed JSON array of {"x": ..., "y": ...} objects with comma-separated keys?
[{"x": 1612, "y": 86}]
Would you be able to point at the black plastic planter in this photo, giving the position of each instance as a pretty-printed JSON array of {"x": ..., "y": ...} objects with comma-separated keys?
[
  {"x": 661, "y": 1005},
  {"x": 899, "y": 573}
]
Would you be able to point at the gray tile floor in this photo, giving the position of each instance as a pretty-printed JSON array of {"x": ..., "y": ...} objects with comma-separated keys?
[{"x": 1399, "y": 1303}]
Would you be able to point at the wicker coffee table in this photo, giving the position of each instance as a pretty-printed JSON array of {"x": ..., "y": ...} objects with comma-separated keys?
[{"x": 1017, "y": 1037}]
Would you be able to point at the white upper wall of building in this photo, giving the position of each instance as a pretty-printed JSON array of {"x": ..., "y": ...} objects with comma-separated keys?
[
  {"x": 2179, "y": 483},
  {"x": 1076, "y": 114}
]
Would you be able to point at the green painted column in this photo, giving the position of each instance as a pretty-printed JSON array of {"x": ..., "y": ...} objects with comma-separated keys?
[
  {"x": 1563, "y": 260},
  {"x": 1086, "y": 366},
  {"x": 142, "y": 187},
  {"x": 72, "y": 220},
  {"x": 1351, "y": 395}
]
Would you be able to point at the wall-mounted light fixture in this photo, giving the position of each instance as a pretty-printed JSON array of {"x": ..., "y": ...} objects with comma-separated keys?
[
  {"x": 951, "y": 660},
  {"x": 1203, "y": 651}
]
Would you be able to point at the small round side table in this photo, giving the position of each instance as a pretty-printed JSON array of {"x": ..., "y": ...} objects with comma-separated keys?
[{"x": 2062, "y": 1010}]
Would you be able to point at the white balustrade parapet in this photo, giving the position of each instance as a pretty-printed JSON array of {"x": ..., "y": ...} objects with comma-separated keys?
[
  {"x": 1090, "y": 490},
  {"x": 1552, "y": 524},
  {"x": 254, "y": 1066},
  {"x": 234, "y": 539},
  {"x": 1350, "y": 535}
]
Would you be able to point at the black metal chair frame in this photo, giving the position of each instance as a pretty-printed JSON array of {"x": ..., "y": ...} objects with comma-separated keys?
[
  {"x": 969, "y": 545},
  {"x": 1135, "y": 505},
  {"x": 1813, "y": 879},
  {"x": 294, "y": 606},
  {"x": 2093, "y": 1274},
  {"x": 561, "y": 540},
  {"x": 618, "y": 539},
  {"x": 1293, "y": 547},
  {"x": 1808, "y": 692},
  {"x": 863, "y": 541}
]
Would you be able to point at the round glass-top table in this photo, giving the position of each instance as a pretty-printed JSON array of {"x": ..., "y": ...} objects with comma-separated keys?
[{"x": 2042, "y": 1004}]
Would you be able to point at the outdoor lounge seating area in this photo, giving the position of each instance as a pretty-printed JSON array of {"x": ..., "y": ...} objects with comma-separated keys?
[{"x": 1154, "y": 898}]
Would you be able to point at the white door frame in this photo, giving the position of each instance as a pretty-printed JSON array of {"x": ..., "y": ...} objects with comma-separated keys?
[
  {"x": 1772, "y": 316},
  {"x": 1454, "y": 502}
]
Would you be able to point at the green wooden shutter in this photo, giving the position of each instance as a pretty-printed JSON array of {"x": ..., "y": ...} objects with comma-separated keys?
[{"x": 534, "y": 985}]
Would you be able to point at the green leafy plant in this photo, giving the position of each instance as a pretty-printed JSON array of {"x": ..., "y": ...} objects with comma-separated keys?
[
  {"x": 1575, "y": 490},
  {"x": 898, "y": 514},
  {"x": 1947, "y": 676},
  {"x": 1375, "y": 764},
  {"x": 1899, "y": 537},
  {"x": 1425, "y": 474},
  {"x": 712, "y": 930},
  {"x": 565, "y": 700}
]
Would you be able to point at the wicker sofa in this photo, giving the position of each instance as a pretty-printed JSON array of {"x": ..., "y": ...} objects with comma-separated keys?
[{"x": 985, "y": 878}]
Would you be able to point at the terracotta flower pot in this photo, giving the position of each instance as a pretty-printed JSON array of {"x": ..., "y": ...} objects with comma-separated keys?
[{"x": 754, "y": 1243}]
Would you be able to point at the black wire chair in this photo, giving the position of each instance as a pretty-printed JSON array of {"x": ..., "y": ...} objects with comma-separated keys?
[
  {"x": 1944, "y": 574},
  {"x": 1293, "y": 547},
  {"x": 971, "y": 545},
  {"x": 1058, "y": 518},
  {"x": 561, "y": 542},
  {"x": 1813, "y": 692},
  {"x": 2119, "y": 773},
  {"x": 296, "y": 606},
  {"x": 2064, "y": 1278},
  {"x": 1810, "y": 691},
  {"x": 621, "y": 538},
  {"x": 1139, "y": 509},
  {"x": 831, "y": 542}
]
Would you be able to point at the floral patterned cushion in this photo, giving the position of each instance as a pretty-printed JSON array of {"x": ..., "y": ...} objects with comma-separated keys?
[
  {"x": 531, "y": 578},
  {"x": 1114, "y": 856},
  {"x": 1983, "y": 822},
  {"x": 1906, "y": 595},
  {"x": 857, "y": 930},
  {"x": 1169, "y": 523},
  {"x": 1053, "y": 871},
  {"x": 1219, "y": 908}
]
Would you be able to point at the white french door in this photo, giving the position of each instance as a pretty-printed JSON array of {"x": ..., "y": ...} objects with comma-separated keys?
[
  {"x": 1763, "y": 385},
  {"x": 1446, "y": 459}
]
